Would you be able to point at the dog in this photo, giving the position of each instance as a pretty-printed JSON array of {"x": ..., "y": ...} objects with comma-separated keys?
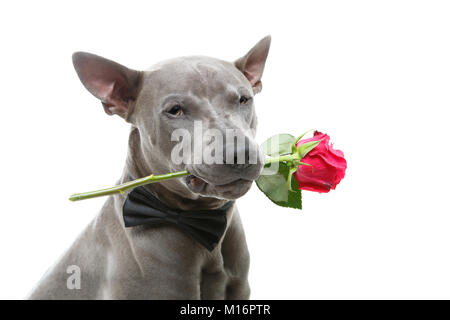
[{"x": 115, "y": 262}]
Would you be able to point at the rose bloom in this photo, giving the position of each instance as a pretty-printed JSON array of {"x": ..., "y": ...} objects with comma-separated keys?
[{"x": 327, "y": 166}]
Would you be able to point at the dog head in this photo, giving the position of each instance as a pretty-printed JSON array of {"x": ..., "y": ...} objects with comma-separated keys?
[{"x": 190, "y": 113}]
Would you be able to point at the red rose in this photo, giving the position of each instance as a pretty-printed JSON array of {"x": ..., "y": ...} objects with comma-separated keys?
[{"x": 327, "y": 166}]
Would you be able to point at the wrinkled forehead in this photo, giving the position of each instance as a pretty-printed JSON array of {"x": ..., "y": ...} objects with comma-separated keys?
[{"x": 199, "y": 76}]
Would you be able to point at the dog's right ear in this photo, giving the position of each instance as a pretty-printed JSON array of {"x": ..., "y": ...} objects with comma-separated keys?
[
  {"x": 115, "y": 85},
  {"x": 252, "y": 64}
]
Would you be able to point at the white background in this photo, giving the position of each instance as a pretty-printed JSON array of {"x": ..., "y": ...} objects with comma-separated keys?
[{"x": 374, "y": 75}]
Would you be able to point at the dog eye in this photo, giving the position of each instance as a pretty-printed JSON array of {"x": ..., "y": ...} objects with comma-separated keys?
[
  {"x": 243, "y": 100},
  {"x": 176, "y": 110}
]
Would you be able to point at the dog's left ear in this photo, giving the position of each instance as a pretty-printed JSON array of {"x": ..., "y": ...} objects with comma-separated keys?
[{"x": 252, "y": 64}]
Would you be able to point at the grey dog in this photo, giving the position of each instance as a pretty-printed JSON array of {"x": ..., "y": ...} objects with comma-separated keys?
[{"x": 164, "y": 263}]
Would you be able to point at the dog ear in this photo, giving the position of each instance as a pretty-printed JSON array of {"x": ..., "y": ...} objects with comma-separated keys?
[
  {"x": 252, "y": 64},
  {"x": 115, "y": 85}
]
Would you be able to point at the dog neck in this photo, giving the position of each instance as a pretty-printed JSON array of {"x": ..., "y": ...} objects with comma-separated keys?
[{"x": 171, "y": 193}]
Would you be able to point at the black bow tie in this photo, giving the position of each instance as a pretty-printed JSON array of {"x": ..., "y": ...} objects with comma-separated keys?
[{"x": 205, "y": 226}]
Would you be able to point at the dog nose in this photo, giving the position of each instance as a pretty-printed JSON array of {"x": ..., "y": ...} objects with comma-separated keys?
[{"x": 239, "y": 153}]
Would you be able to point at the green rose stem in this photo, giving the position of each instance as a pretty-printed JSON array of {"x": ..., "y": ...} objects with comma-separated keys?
[
  {"x": 288, "y": 157},
  {"x": 293, "y": 159},
  {"x": 121, "y": 188}
]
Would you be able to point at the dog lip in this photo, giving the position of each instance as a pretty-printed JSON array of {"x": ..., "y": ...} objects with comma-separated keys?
[
  {"x": 225, "y": 185},
  {"x": 198, "y": 184},
  {"x": 230, "y": 183}
]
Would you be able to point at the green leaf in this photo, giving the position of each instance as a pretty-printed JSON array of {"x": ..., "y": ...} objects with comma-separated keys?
[
  {"x": 279, "y": 144},
  {"x": 276, "y": 189}
]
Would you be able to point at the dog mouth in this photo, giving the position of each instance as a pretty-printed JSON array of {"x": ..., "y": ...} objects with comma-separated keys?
[{"x": 197, "y": 184}]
